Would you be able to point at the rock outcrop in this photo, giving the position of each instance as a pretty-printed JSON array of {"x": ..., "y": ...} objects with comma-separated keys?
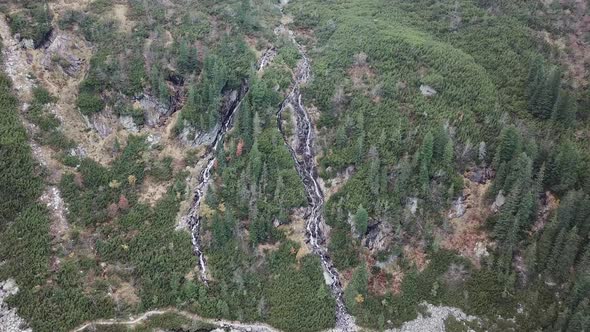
[{"x": 9, "y": 318}]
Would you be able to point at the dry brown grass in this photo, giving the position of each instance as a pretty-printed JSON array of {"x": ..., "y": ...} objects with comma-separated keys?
[{"x": 467, "y": 235}]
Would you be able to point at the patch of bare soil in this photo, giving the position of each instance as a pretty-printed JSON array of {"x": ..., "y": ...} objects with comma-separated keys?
[
  {"x": 151, "y": 190},
  {"x": 295, "y": 231},
  {"x": 333, "y": 185},
  {"x": 17, "y": 62},
  {"x": 120, "y": 13},
  {"x": 55, "y": 204},
  {"x": 360, "y": 73},
  {"x": 549, "y": 203},
  {"x": 415, "y": 253},
  {"x": 573, "y": 46},
  {"x": 467, "y": 235},
  {"x": 125, "y": 293}
]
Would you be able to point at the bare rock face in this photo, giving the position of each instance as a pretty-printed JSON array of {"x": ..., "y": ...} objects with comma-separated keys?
[
  {"x": 459, "y": 208},
  {"x": 427, "y": 90},
  {"x": 205, "y": 137},
  {"x": 9, "y": 319},
  {"x": 102, "y": 125},
  {"x": 27, "y": 43},
  {"x": 379, "y": 236},
  {"x": 499, "y": 202},
  {"x": 412, "y": 204},
  {"x": 154, "y": 111},
  {"x": 128, "y": 123},
  {"x": 60, "y": 52}
]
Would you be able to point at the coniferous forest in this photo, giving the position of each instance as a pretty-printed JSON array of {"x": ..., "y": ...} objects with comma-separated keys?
[{"x": 295, "y": 165}]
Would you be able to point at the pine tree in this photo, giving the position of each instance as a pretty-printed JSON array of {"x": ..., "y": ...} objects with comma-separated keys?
[
  {"x": 440, "y": 140},
  {"x": 556, "y": 252},
  {"x": 425, "y": 160},
  {"x": 564, "y": 110},
  {"x": 341, "y": 138},
  {"x": 545, "y": 244},
  {"x": 535, "y": 77},
  {"x": 508, "y": 146},
  {"x": 256, "y": 162},
  {"x": 543, "y": 103},
  {"x": 245, "y": 124},
  {"x": 448, "y": 158},
  {"x": 520, "y": 173},
  {"x": 361, "y": 219},
  {"x": 374, "y": 176},
  {"x": 564, "y": 171},
  {"x": 358, "y": 286},
  {"x": 568, "y": 255},
  {"x": 583, "y": 266}
]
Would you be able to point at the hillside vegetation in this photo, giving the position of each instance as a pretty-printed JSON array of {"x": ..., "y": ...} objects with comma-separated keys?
[{"x": 452, "y": 146}]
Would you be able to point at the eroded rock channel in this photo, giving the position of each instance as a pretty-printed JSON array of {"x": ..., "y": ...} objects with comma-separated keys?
[
  {"x": 193, "y": 218},
  {"x": 304, "y": 157}
]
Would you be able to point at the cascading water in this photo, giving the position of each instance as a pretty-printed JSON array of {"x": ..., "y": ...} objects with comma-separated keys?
[
  {"x": 193, "y": 218},
  {"x": 304, "y": 158}
]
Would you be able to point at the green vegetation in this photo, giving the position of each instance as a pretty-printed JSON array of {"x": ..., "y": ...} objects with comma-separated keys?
[
  {"x": 18, "y": 180},
  {"x": 370, "y": 59},
  {"x": 32, "y": 22},
  {"x": 412, "y": 101}
]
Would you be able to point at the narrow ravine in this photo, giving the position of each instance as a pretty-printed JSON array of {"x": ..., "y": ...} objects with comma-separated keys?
[
  {"x": 193, "y": 217},
  {"x": 304, "y": 157}
]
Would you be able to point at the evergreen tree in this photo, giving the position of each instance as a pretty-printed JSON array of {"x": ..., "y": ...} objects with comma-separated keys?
[
  {"x": 558, "y": 246},
  {"x": 361, "y": 220},
  {"x": 545, "y": 244},
  {"x": 535, "y": 77},
  {"x": 508, "y": 146},
  {"x": 425, "y": 160},
  {"x": 583, "y": 266},
  {"x": 341, "y": 138},
  {"x": 440, "y": 140},
  {"x": 245, "y": 124},
  {"x": 256, "y": 162},
  {"x": 374, "y": 176},
  {"x": 448, "y": 158},
  {"x": 563, "y": 172},
  {"x": 568, "y": 255},
  {"x": 187, "y": 58},
  {"x": 358, "y": 286},
  {"x": 564, "y": 110},
  {"x": 549, "y": 93}
]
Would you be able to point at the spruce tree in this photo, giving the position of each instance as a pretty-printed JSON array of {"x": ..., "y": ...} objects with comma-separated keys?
[
  {"x": 374, "y": 177},
  {"x": 425, "y": 160},
  {"x": 535, "y": 77},
  {"x": 568, "y": 255},
  {"x": 564, "y": 110},
  {"x": 555, "y": 256},
  {"x": 564, "y": 173},
  {"x": 549, "y": 94},
  {"x": 583, "y": 265},
  {"x": 361, "y": 219},
  {"x": 545, "y": 244},
  {"x": 508, "y": 146}
]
